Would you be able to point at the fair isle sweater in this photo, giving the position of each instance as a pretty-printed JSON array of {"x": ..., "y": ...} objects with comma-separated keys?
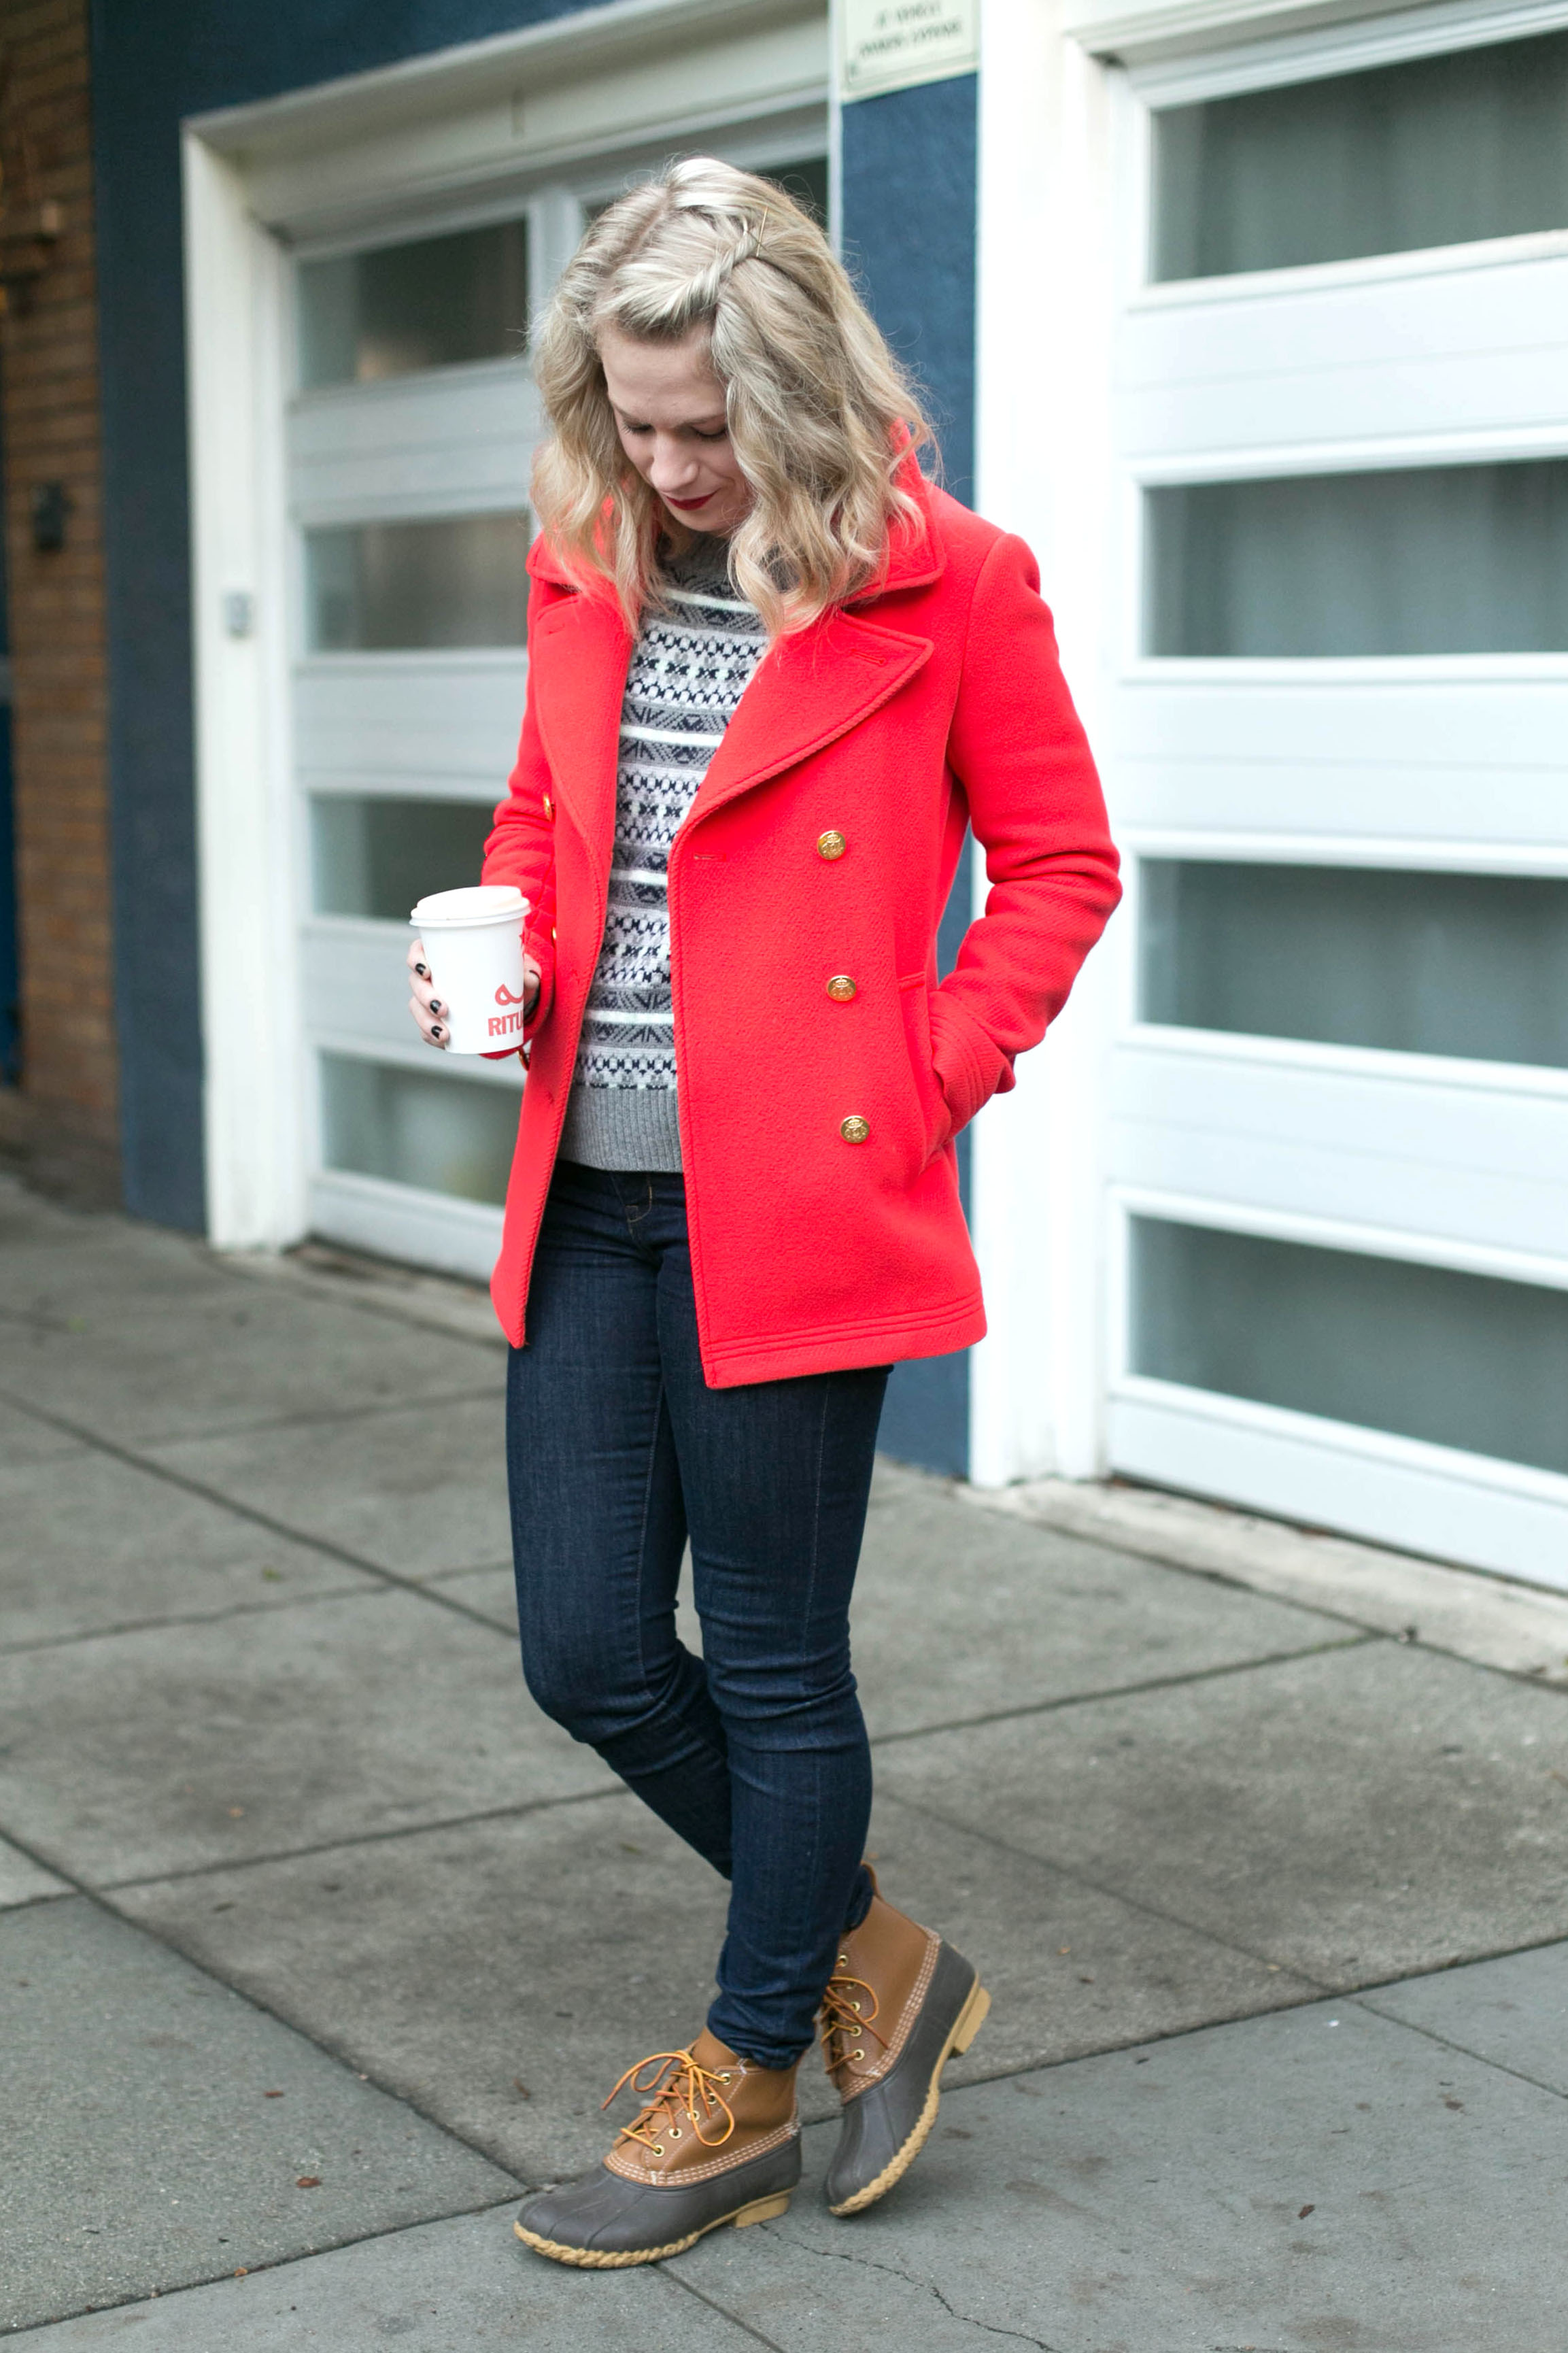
[{"x": 690, "y": 667}]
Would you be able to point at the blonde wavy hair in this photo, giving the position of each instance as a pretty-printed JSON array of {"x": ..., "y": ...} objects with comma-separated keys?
[{"x": 820, "y": 414}]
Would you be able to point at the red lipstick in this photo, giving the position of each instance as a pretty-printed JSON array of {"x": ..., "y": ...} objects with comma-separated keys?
[{"x": 683, "y": 504}]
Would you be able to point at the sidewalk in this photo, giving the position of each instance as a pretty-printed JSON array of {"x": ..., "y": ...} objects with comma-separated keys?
[{"x": 317, "y": 1942}]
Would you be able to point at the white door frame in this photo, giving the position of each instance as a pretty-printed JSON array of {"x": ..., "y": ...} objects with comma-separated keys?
[
  {"x": 462, "y": 130},
  {"x": 1044, "y": 469}
]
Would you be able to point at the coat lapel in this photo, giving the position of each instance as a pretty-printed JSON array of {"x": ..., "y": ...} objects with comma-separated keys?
[
  {"x": 808, "y": 690},
  {"x": 812, "y": 688},
  {"x": 579, "y": 651}
]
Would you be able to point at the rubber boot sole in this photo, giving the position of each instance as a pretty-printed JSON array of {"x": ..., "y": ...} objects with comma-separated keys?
[
  {"x": 964, "y": 2029},
  {"x": 593, "y": 2259}
]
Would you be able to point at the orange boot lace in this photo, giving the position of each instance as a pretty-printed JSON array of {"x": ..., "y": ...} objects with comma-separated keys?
[
  {"x": 679, "y": 2087},
  {"x": 848, "y": 2007}
]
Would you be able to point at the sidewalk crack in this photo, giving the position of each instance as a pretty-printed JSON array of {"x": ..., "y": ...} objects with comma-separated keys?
[
  {"x": 1065, "y": 1700},
  {"x": 870, "y": 2264},
  {"x": 394, "y": 1579},
  {"x": 685, "y": 2288},
  {"x": 1365, "y": 1998}
]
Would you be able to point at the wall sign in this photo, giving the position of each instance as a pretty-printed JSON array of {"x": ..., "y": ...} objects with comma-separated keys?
[{"x": 890, "y": 44}]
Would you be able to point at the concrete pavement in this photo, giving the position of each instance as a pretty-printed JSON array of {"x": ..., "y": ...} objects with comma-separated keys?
[{"x": 316, "y": 1942}]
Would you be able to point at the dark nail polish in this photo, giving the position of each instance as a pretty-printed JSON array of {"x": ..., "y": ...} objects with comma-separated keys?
[
  {"x": 435, "y": 1029},
  {"x": 435, "y": 1005},
  {"x": 423, "y": 970}
]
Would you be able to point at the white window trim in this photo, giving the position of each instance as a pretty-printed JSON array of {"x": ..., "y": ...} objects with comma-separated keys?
[
  {"x": 1203, "y": 48},
  {"x": 1259, "y": 462},
  {"x": 1317, "y": 53},
  {"x": 1419, "y": 854},
  {"x": 1389, "y": 1066},
  {"x": 307, "y": 166},
  {"x": 248, "y": 856}
]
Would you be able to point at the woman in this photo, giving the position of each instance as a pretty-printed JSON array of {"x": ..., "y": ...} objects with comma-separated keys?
[{"x": 774, "y": 675}]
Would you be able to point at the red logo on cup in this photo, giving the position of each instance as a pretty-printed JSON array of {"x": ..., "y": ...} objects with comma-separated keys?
[{"x": 505, "y": 996}]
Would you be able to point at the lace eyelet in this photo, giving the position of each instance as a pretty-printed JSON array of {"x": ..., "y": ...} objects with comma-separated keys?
[
  {"x": 857, "y": 2055},
  {"x": 674, "y": 2132},
  {"x": 658, "y": 2149},
  {"x": 725, "y": 2076}
]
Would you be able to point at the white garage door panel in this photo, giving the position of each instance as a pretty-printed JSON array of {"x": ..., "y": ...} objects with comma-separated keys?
[
  {"x": 448, "y": 721},
  {"x": 1467, "y": 351},
  {"x": 407, "y": 516},
  {"x": 1469, "y": 1114},
  {"x": 460, "y": 1238},
  {"x": 1302, "y": 714},
  {"x": 1355, "y": 802},
  {"x": 417, "y": 445},
  {"x": 1490, "y": 395},
  {"x": 1451, "y": 763},
  {"x": 1425, "y": 1499},
  {"x": 1391, "y": 1196},
  {"x": 1468, "y": 1165},
  {"x": 1380, "y": 316}
]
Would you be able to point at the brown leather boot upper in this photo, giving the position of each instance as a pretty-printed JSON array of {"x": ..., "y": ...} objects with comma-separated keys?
[
  {"x": 707, "y": 2110},
  {"x": 881, "y": 1976}
]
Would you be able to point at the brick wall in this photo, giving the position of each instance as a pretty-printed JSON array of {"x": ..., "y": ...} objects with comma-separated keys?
[{"x": 49, "y": 404}]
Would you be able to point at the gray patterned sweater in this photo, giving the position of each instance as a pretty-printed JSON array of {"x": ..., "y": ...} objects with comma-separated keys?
[{"x": 689, "y": 668}]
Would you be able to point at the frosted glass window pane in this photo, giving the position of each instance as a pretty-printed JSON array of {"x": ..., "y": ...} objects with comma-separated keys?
[
  {"x": 399, "y": 308},
  {"x": 444, "y": 1134},
  {"x": 375, "y": 858},
  {"x": 1437, "y": 150},
  {"x": 460, "y": 580},
  {"x": 1424, "y": 560},
  {"x": 1473, "y": 965},
  {"x": 1457, "y": 1359}
]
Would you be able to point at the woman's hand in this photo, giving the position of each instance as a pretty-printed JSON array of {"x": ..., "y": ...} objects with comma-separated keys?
[{"x": 429, "y": 1011}]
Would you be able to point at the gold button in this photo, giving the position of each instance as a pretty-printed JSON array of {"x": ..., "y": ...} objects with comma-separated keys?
[
  {"x": 831, "y": 844},
  {"x": 841, "y": 988},
  {"x": 549, "y": 806},
  {"x": 855, "y": 1130}
]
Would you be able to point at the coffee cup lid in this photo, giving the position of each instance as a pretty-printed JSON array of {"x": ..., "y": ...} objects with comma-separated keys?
[{"x": 478, "y": 902}]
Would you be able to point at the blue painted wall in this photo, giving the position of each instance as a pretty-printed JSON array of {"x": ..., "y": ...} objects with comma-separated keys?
[{"x": 909, "y": 198}]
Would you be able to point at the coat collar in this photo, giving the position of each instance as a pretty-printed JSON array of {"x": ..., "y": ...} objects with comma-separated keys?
[{"x": 808, "y": 689}]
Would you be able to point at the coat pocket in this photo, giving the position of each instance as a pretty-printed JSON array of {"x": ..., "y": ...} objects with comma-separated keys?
[{"x": 914, "y": 1000}]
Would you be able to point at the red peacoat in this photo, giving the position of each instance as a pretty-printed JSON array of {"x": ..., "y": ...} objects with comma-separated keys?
[{"x": 817, "y": 1119}]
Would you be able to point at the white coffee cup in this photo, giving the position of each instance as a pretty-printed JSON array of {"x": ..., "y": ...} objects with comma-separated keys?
[{"x": 473, "y": 946}]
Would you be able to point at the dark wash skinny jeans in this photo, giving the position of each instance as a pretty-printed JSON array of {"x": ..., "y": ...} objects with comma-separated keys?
[{"x": 616, "y": 1450}]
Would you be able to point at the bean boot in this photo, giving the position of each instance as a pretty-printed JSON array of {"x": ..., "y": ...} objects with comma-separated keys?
[
  {"x": 717, "y": 2140},
  {"x": 899, "y": 2001}
]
